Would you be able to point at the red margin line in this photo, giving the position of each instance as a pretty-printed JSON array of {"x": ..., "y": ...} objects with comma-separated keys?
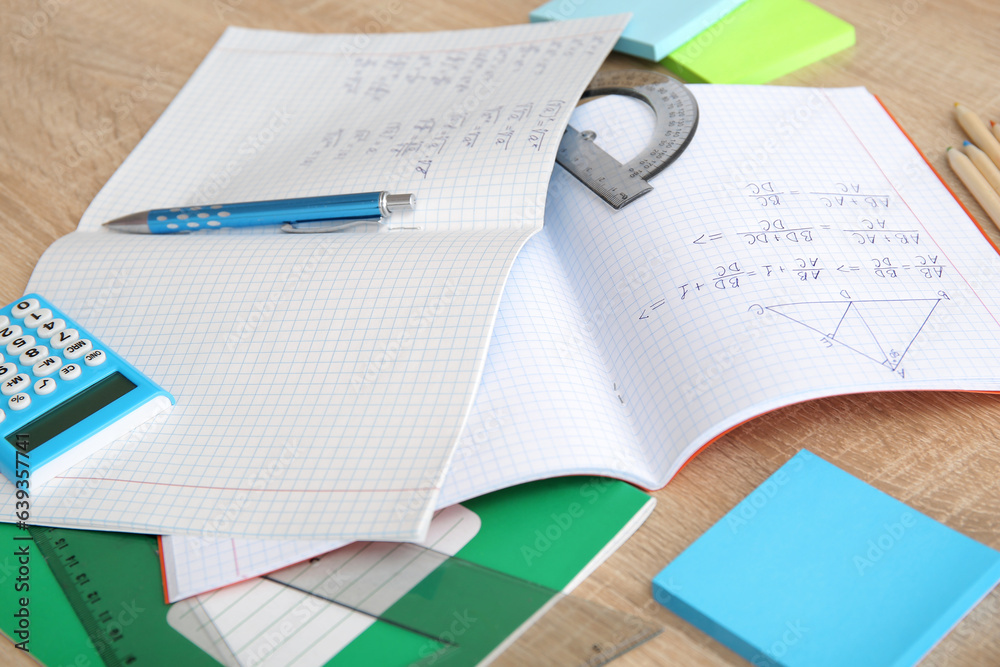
[{"x": 903, "y": 199}]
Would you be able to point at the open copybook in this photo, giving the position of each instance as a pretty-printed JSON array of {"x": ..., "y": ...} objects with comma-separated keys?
[
  {"x": 322, "y": 380},
  {"x": 801, "y": 247}
]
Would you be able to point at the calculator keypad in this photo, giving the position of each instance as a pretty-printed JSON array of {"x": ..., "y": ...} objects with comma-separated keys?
[{"x": 43, "y": 362}]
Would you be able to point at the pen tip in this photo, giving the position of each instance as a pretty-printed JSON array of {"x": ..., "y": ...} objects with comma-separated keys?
[{"x": 136, "y": 223}]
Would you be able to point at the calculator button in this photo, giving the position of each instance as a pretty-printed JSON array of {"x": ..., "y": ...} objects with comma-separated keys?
[
  {"x": 45, "y": 386},
  {"x": 49, "y": 329},
  {"x": 9, "y": 333},
  {"x": 20, "y": 344},
  {"x": 15, "y": 384},
  {"x": 64, "y": 338},
  {"x": 3, "y": 415},
  {"x": 78, "y": 349},
  {"x": 69, "y": 372},
  {"x": 4, "y": 321},
  {"x": 19, "y": 401},
  {"x": 46, "y": 367},
  {"x": 8, "y": 370},
  {"x": 33, "y": 355},
  {"x": 95, "y": 358},
  {"x": 40, "y": 316},
  {"x": 25, "y": 307}
]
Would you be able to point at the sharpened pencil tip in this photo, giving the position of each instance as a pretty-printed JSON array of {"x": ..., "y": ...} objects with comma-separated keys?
[
  {"x": 966, "y": 143},
  {"x": 992, "y": 123},
  {"x": 957, "y": 104}
]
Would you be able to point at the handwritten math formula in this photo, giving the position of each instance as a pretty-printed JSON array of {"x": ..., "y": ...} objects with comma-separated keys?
[{"x": 842, "y": 236}]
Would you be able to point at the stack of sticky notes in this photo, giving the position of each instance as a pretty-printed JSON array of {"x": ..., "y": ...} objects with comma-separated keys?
[
  {"x": 818, "y": 568},
  {"x": 657, "y": 26},
  {"x": 760, "y": 41},
  {"x": 719, "y": 41}
]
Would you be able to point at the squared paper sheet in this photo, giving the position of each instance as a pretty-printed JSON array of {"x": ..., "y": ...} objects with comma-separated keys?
[
  {"x": 322, "y": 381},
  {"x": 540, "y": 375},
  {"x": 608, "y": 358}
]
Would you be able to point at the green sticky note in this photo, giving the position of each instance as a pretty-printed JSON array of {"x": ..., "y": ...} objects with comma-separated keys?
[{"x": 760, "y": 41}]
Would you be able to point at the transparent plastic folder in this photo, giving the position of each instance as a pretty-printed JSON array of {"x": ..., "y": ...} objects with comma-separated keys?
[{"x": 463, "y": 613}]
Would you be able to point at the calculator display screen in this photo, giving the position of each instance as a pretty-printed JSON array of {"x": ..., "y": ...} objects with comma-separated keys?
[{"x": 71, "y": 412}]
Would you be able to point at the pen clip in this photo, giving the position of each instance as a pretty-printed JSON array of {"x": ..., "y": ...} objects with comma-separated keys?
[
  {"x": 331, "y": 226},
  {"x": 387, "y": 203}
]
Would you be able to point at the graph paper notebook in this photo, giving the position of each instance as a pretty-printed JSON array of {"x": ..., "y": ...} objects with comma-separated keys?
[
  {"x": 800, "y": 247},
  {"x": 322, "y": 381}
]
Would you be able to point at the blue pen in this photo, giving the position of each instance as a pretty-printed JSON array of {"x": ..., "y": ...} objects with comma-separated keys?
[{"x": 342, "y": 210}]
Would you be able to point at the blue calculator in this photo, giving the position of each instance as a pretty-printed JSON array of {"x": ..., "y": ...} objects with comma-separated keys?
[{"x": 63, "y": 393}]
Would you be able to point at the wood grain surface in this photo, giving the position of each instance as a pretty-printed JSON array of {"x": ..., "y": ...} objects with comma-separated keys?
[{"x": 82, "y": 80}]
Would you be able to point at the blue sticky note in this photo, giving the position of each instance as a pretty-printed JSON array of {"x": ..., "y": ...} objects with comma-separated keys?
[
  {"x": 817, "y": 568},
  {"x": 657, "y": 26}
]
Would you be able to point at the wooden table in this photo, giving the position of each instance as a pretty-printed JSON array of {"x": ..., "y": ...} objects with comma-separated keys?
[{"x": 81, "y": 81}]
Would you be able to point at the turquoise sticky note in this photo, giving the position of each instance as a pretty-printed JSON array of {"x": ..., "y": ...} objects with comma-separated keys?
[
  {"x": 657, "y": 26},
  {"x": 817, "y": 568}
]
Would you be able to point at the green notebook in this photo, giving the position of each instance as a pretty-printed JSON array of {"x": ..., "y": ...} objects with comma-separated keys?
[
  {"x": 760, "y": 41},
  {"x": 553, "y": 532}
]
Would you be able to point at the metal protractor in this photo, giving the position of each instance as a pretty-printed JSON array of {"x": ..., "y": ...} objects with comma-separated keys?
[{"x": 676, "y": 120}]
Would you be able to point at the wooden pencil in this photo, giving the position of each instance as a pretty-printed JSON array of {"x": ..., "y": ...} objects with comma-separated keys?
[
  {"x": 996, "y": 129},
  {"x": 976, "y": 129},
  {"x": 980, "y": 189},
  {"x": 984, "y": 165}
]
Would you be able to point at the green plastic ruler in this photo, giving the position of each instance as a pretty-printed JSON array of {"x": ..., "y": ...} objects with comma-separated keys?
[{"x": 112, "y": 582}]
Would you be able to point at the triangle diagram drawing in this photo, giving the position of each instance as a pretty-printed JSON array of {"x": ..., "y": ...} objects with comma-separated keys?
[
  {"x": 882, "y": 330},
  {"x": 822, "y": 316}
]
